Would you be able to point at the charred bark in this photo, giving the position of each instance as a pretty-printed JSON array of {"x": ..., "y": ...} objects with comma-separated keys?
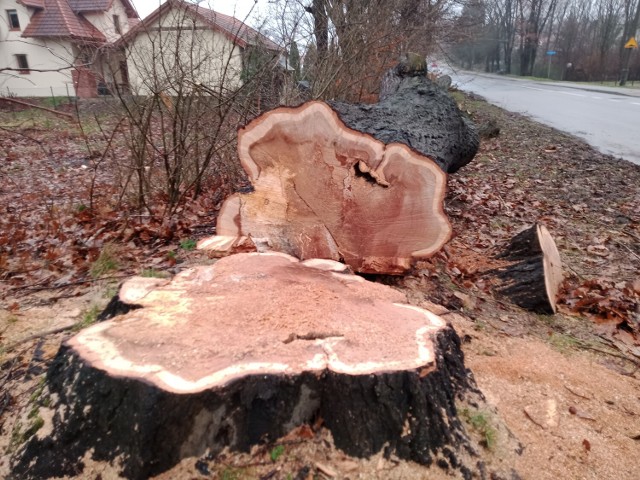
[
  {"x": 416, "y": 112},
  {"x": 139, "y": 403},
  {"x": 533, "y": 280},
  {"x": 149, "y": 430}
]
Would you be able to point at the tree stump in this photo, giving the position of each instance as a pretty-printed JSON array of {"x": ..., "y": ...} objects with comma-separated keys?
[
  {"x": 241, "y": 352},
  {"x": 533, "y": 281},
  {"x": 322, "y": 190}
]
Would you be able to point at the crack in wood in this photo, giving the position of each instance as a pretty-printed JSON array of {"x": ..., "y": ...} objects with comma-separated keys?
[
  {"x": 361, "y": 170},
  {"x": 312, "y": 336},
  {"x": 329, "y": 232}
]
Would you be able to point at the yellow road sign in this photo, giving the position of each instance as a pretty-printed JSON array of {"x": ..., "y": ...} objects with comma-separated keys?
[{"x": 631, "y": 43}]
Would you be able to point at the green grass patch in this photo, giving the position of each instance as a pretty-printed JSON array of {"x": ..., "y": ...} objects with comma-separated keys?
[
  {"x": 276, "y": 452},
  {"x": 188, "y": 244},
  {"x": 232, "y": 474},
  {"x": 105, "y": 263},
  {"x": 21, "y": 432},
  {"x": 563, "y": 342},
  {"x": 110, "y": 291},
  {"x": 481, "y": 423},
  {"x": 88, "y": 318},
  {"x": 153, "y": 273}
]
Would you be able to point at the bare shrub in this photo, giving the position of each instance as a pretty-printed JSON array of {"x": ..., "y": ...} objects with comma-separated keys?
[
  {"x": 350, "y": 44},
  {"x": 191, "y": 88}
]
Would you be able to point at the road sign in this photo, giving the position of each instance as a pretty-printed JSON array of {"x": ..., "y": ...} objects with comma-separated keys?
[
  {"x": 631, "y": 43},
  {"x": 552, "y": 52}
]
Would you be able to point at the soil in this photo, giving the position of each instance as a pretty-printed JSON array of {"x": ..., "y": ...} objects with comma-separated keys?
[{"x": 562, "y": 391}]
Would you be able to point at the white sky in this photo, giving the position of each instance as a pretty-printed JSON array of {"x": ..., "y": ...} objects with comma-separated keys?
[{"x": 238, "y": 8}]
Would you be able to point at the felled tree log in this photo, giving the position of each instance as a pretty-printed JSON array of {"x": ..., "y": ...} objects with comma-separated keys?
[
  {"x": 415, "y": 112},
  {"x": 533, "y": 280},
  {"x": 241, "y": 352},
  {"x": 322, "y": 190}
]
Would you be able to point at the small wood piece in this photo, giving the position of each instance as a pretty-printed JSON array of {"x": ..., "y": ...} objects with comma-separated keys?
[
  {"x": 322, "y": 190},
  {"x": 242, "y": 352},
  {"x": 533, "y": 281},
  {"x": 223, "y": 245}
]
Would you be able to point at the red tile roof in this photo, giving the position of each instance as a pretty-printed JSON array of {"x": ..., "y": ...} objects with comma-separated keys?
[
  {"x": 80, "y": 6},
  {"x": 57, "y": 19},
  {"x": 239, "y": 31},
  {"x": 32, "y": 3},
  {"x": 90, "y": 5}
]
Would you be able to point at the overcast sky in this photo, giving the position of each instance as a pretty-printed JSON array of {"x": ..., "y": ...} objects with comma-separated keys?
[{"x": 238, "y": 8}]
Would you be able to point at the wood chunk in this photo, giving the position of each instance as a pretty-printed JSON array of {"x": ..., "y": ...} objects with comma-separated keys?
[
  {"x": 533, "y": 281},
  {"x": 545, "y": 415},
  {"x": 224, "y": 245},
  {"x": 242, "y": 352},
  {"x": 322, "y": 190}
]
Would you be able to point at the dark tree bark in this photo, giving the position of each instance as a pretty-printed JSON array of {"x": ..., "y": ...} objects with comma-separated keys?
[
  {"x": 165, "y": 382},
  {"x": 414, "y": 111},
  {"x": 533, "y": 281},
  {"x": 318, "y": 10}
]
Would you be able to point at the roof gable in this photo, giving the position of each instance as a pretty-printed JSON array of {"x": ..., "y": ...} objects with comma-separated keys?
[
  {"x": 57, "y": 19},
  {"x": 80, "y": 6},
  {"x": 235, "y": 30}
]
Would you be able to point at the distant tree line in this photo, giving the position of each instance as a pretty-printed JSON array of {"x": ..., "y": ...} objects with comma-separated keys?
[{"x": 515, "y": 36}]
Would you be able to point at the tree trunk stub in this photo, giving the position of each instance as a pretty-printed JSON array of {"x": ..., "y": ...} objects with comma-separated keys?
[
  {"x": 240, "y": 353},
  {"x": 533, "y": 281},
  {"x": 322, "y": 190},
  {"x": 415, "y": 112}
]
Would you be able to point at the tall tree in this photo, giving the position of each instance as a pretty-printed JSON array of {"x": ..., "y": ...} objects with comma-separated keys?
[
  {"x": 630, "y": 31},
  {"x": 534, "y": 14}
]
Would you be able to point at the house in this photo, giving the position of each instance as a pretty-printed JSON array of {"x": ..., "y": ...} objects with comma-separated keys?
[
  {"x": 184, "y": 45},
  {"x": 60, "y": 47}
]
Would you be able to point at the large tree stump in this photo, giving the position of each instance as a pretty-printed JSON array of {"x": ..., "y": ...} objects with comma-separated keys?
[
  {"x": 240, "y": 353},
  {"x": 533, "y": 280},
  {"x": 325, "y": 191},
  {"x": 416, "y": 112}
]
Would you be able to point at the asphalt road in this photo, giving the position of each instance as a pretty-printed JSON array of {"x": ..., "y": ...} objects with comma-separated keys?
[{"x": 608, "y": 118}]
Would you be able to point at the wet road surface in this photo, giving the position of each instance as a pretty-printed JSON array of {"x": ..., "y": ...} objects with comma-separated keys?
[{"x": 608, "y": 118}]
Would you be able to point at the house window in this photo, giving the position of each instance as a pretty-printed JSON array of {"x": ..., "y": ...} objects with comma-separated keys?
[
  {"x": 116, "y": 24},
  {"x": 14, "y": 21},
  {"x": 23, "y": 64}
]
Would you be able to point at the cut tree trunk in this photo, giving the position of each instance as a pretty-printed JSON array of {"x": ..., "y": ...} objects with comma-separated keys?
[
  {"x": 322, "y": 190},
  {"x": 243, "y": 351},
  {"x": 533, "y": 281},
  {"x": 415, "y": 112}
]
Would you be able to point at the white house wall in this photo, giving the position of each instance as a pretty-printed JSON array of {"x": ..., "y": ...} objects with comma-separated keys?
[
  {"x": 55, "y": 57},
  {"x": 181, "y": 53},
  {"x": 103, "y": 21}
]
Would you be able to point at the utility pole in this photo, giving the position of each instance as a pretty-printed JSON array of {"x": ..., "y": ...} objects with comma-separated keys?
[{"x": 626, "y": 56}]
